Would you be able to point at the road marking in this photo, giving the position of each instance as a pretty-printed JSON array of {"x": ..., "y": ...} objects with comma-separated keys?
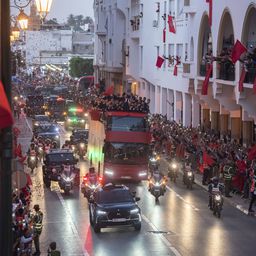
[
  {"x": 162, "y": 237},
  {"x": 73, "y": 227},
  {"x": 28, "y": 124},
  {"x": 183, "y": 199}
]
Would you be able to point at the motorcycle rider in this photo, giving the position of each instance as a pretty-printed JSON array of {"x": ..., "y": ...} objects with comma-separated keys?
[
  {"x": 186, "y": 170},
  {"x": 91, "y": 175},
  {"x": 156, "y": 176},
  {"x": 214, "y": 187},
  {"x": 54, "y": 145},
  {"x": 33, "y": 151},
  {"x": 66, "y": 145},
  {"x": 47, "y": 146}
]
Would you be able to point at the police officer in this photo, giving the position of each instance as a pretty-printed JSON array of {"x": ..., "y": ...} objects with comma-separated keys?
[
  {"x": 227, "y": 175},
  {"x": 38, "y": 226},
  {"x": 214, "y": 187}
]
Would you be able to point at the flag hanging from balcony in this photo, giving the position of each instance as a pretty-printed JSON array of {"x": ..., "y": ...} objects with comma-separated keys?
[
  {"x": 109, "y": 91},
  {"x": 241, "y": 80},
  {"x": 5, "y": 110},
  {"x": 164, "y": 35},
  {"x": 175, "y": 70},
  {"x": 210, "y": 11},
  {"x": 254, "y": 85},
  {"x": 159, "y": 61},
  {"x": 237, "y": 51},
  {"x": 171, "y": 24},
  {"x": 206, "y": 80}
]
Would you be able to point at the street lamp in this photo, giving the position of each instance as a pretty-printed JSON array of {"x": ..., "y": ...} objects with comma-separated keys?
[
  {"x": 43, "y": 7},
  {"x": 23, "y": 20},
  {"x": 15, "y": 32}
]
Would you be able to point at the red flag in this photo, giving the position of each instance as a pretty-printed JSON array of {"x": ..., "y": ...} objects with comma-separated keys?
[
  {"x": 237, "y": 51},
  {"x": 159, "y": 61},
  {"x": 175, "y": 71},
  {"x": 252, "y": 153},
  {"x": 254, "y": 85},
  {"x": 5, "y": 110},
  {"x": 210, "y": 12},
  {"x": 18, "y": 151},
  {"x": 241, "y": 80},
  {"x": 180, "y": 151},
  {"x": 109, "y": 91},
  {"x": 206, "y": 80},
  {"x": 164, "y": 35},
  {"x": 207, "y": 159},
  {"x": 171, "y": 25}
]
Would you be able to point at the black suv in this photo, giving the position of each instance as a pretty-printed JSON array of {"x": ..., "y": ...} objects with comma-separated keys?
[
  {"x": 114, "y": 205},
  {"x": 53, "y": 162}
]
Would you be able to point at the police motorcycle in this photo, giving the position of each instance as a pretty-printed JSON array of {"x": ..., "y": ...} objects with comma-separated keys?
[
  {"x": 67, "y": 177},
  {"x": 173, "y": 169},
  {"x": 40, "y": 148},
  {"x": 32, "y": 158},
  {"x": 215, "y": 197},
  {"x": 91, "y": 182},
  {"x": 153, "y": 162},
  {"x": 188, "y": 177},
  {"x": 157, "y": 184}
]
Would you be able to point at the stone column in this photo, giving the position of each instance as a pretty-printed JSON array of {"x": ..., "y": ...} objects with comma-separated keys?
[
  {"x": 195, "y": 112},
  {"x": 236, "y": 128},
  {"x": 205, "y": 118},
  {"x": 247, "y": 132},
  {"x": 224, "y": 124},
  {"x": 187, "y": 109},
  {"x": 215, "y": 120}
]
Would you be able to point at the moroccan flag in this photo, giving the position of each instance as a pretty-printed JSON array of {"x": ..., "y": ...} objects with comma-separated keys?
[
  {"x": 254, "y": 85},
  {"x": 207, "y": 160},
  {"x": 175, "y": 71},
  {"x": 210, "y": 11},
  {"x": 241, "y": 80},
  {"x": 237, "y": 51},
  {"x": 159, "y": 61},
  {"x": 171, "y": 25},
  {"x": 164, "y": 35},
  {"x": 252, "y": 153},
  {"x": 109, "y": 91},
  {"x": 5, "y": 110},
  {"x": 18, "y": 151},
  {"x": 206, "y": 80}
]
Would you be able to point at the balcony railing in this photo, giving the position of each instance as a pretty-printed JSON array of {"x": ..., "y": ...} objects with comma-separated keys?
[
  {"x": 203, "y": 69},
  {"x": 135, "y": 23},
  {"x": 226, "y": 71},
  {"x": 250, "y": 74}
]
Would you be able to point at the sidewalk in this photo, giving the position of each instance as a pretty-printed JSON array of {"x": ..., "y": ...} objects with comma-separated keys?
[{"x": 236, "y": 200}]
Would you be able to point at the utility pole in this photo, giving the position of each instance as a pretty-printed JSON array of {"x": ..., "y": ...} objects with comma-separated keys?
[{"x": 6, "y": 241}]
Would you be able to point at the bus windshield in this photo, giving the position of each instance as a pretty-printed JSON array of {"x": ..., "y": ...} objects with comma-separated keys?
[
  {"x": 127, "y": 123},
  {"x": 126, "y": 153}
]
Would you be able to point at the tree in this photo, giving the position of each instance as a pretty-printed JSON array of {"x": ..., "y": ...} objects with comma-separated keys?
[
  {"x": 71, "y": 20},
  {"x": 80, "y": 67}
]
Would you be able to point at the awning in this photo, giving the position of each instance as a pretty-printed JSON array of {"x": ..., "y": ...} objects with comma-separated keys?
[{"x": 6, "y": 119}]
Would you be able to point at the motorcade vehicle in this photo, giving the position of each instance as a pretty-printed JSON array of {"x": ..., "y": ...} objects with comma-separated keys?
[
  {"x": 40, "y": 119},
  {"x": 188, "y": 178},
  {"x": 114, "y": 205},
  {"x": 90, "y": 184},
  {"x": 217, "y": 204},
  {"x": 34, "y": 105},
  {"x": 56, "y": 108},
  {"x": 48, "y": 131},
  {"x": 76, "y": 118},
  {"x": 157, "y": 186},
  {"x": 79, "y": 141},
  {"x": 121, "y": 144},
  {"x": 60, "y": 165},
  {"x": 173, "y": 170}
]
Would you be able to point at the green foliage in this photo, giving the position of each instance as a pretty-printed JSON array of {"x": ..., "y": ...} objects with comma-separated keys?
[
  {"x": 80, "y": 67},
  {"x": 78, "y": 20}
]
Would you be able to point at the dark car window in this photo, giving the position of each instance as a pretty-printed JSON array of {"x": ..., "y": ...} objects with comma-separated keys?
[
  {"x": 83, "y": 135},
  {"x": 47, "y": 128},
  {"x": 114, "y": 196},
  {"x": 61, "y": 157},
  {"x": 42, "y": 118}
]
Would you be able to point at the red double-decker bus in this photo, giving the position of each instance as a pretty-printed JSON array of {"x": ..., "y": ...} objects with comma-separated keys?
[{"x": 119, "y": 144}]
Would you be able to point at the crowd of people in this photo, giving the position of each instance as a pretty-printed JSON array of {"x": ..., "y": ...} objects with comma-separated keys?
[{"x": 210, "y": 155}]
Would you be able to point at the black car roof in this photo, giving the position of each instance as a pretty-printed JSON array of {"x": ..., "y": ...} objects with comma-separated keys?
[
  {"x": 60, "y": 151},
  {"x": 111, "y": 186}
]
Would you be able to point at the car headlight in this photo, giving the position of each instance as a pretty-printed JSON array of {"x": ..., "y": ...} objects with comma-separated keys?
[
  {"x": 134, "y": 211},
  {"x": 33, "y": 158},
  {"x": 73, "y": 147},
  {"x": 36, "y": 123},
  {"x": 109, "y": 172},
  {"x": 82, "y": 121},
  {"x": 69, "y": 120},
  {"x": 157, "y": 184},
  {"x": 143, "y": 173},
  {"x": 100, "y": 212},
  {"x": 85, "y": 114},
  {"x": 82, "y": 145},
  {"x": 152, "y": 159},
  {"x": 56, "y": 129},
  {"x": 174, "y": 166},
  {"x": 64, "y": 113},
  {"x": 57, "y": 137}
]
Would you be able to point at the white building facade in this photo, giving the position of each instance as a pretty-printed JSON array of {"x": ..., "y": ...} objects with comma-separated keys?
[{"x": 129, "y": 38}]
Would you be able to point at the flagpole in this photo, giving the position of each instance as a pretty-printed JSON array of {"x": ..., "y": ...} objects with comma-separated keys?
[{"x": 6, "y": 239}]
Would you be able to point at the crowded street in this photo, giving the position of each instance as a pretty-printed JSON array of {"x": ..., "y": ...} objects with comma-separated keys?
[{"x": 180, "y": 224}]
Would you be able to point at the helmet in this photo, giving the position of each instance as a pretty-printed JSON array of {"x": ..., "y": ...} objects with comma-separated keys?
[
  {"x": 32, "y": 144},
  {"x": 215, "y": 180}
]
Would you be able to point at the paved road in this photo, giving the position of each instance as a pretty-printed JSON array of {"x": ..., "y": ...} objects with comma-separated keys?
[{"x": 180, "y": 224}]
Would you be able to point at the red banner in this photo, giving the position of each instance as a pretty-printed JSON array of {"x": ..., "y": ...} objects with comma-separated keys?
[
  {"x": 206, "y": 81},
  {"x": 175, "y": 70},
  {"x": 171, "y": 25},
  {"x": 5, "y": 110},
  {"x": 159, "y": 61},
  {"x": 237, "y": 51},
  {"x": 241, "y": 80}
]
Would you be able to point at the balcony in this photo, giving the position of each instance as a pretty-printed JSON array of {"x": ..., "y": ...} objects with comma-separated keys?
[
  {"x": 135, "y": 25},
  {"x": 189, "y": 7},
  {"x": 203, "y": 69},
  {"x": 226, "y": 71},
  {"x": 250, "y": 74},
  {"x": 100, "y": 30}
]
